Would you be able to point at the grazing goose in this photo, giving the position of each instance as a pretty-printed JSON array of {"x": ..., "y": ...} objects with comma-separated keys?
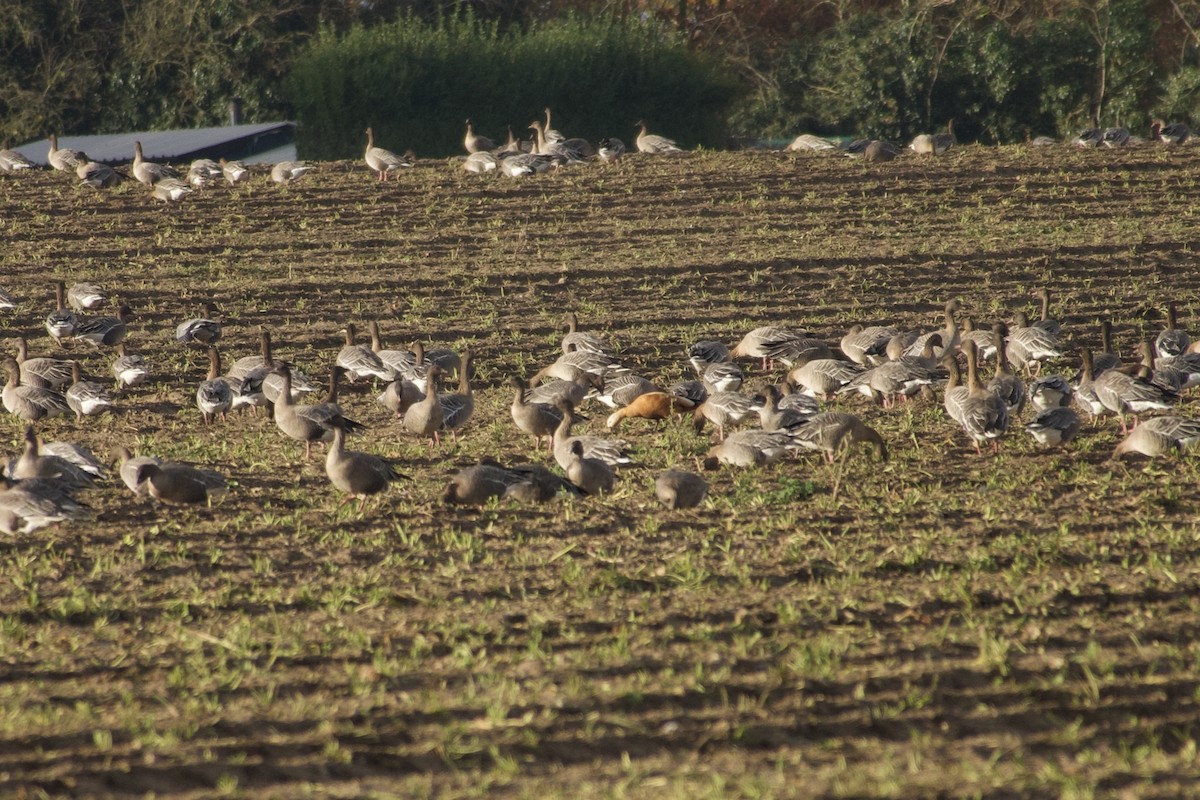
[
  {"x": 46, "y": 373},
  {"x": 935, "y": 144},
  {"x": 234, "y": 171},
  {"x": 570, "y": 366},
  {"x": 97, "y": 176},
  {"x": 1091, "y": 137},
  {"x": 576, "y": 339},
  {"x": 1116, "y": 137},
  {"x": 768, "y": 343},
  {"x": 104, "y": 331},
  {"x": 1173, "y": 341},
  {"x": 1005, "y": 384},
  {"x": 824, "y": 377},
  {"x": 1169, "y": 133},
  {"x": 809, "y": 143},
  {"x": 1183, "y": 430},
  {"x": 382, "y": 161},
  {"x": 1050, "y": 391},
  {"x": 654, "y": 405},
  {"x": 86, "y": 297},
  {"x": 1123, "y": 394},
  {"x": 881, "y": 151},
  {"x": 1029, "y": 345},
  {"x": 797, "y": 401},
  {"x": 30, "y": 403},
  {"x": 590, "y": 474},
  {"x": 170, "y": 190},
  {"x": 13, "y": 160},
  {"x": 129, "y": 369},
  {"x": 622, "y": 389},
  {"x": 285, "y": 172},
  {"x": 398, "y": 395},
  {"x": 309, "y": 423},
  {"x": 179, "y": 483},
  {"x": 202, "y": 330},
  {"x": 148, "y": 172},
  {"x": 867, "y": 345},
  {"x": 692, "y": 391},
  {"x": 830, "y": 431},
  {"x": 522, "y": 164},
  {"x": 583, "y": 386},
  {"x": 610, "y": 150},
  {"x": 537, "y": 419},
  {"x": 477, "y": 143},
  {"x": 892, "y": 381},
  {"x": 1054, "y": 427},
  {"x": 481, "y": 163},
  {"x": 654, "y": 144},
  {"x": 984, "y": 416},
  {"x": 459, "y": 407},
  {"x": 425, "y": 418},
  {"x": 360, "y": 361},
  {"x": 750, "y": 448},
  {"x": 477, "y": 484},
  {"x": 703, "y": 354},
  {"x": 61, "y": 323},
  {"x": 725, "y": 377},
  {"x": 678, "y": 489},
  {"x": 611, "y": 451},
  {"x": 1145, "y": 440},
  {"x": 202, "y": 171},
  {"x": 357, "y": 474},
  {"x": 214, "y": 395},
  {"x": 64, "y": 159},
  {"x": 722, "y": 409},
  {"x": 86, "y": 398},
  {"x": 29, "y": 505},
  {"x": 128, "y": 466}
]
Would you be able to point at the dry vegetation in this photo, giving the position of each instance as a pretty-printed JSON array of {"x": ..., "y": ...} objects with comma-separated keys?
[{"x": 1021, "y": 624}]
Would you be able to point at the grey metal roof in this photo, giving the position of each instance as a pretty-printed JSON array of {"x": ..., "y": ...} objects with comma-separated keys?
[{"x": 237, "y": 141}]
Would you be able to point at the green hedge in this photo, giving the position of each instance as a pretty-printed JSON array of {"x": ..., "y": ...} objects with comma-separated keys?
[{"x": 417, "y": 82}]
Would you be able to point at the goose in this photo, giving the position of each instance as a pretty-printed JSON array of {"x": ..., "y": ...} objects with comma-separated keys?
[
  {"x": 179, "y": 484},
  {"x": 61, "y": 323},
  {"x": 611, "y": 451},
  {"x": 1091, "y": 137},
  {"x": 797, "y": 401},
  {"x": 202, "y": 330},
  {"x": 1046, "y": 322},
  {"x": 7, "y": 301},
  {"x": 357, "y": 474},
  {"x": 576, "y": 339},
  {"x": 477, "y": 143},
  {"x": 397, "y": 361},
  {"x": 285, "y": 172},
  {"x": 610, "y": 150},
  {"x": 864, "y": 345},
  {"x": 702, "y": 354},
  {"x": 654, "y": 405},
  {"x": 74, "y": 470},
  {"x": 259, "y": 384},
  {"x": 590, "y": 474},
  {"x": 1183, "y": 430},
  {"x": 809, "y": 143},
  {"x": 934, "y": 144},
  {"x": 1169, "y": 133},
  {"x": 1145, "y": 440},
  {"x": 726, "y": 377},
  {"x": 148, "y": 172},
  {"x": 46, "y": 373},
  {"x": 129, "y": 369},
  {"x": 32, "y": 504},
  {"x": 398, "y": 395},
  {"x": 750, "y": 448},
  {"x": 14, "y": 160},
  {"x": 562, "y": 151},
  {"x": 985, "y": 346},
  {"x": 880, "y": 151},
  {"x": 680, "y": 489},
  {"x": 86, "y": 297},
  {"x": 569, "y": 366},
  {"x": 170, "y": 190},
  {"x": 459, "y": 407},
  {"x": 234, "y": 171},
  {"x": 654, "y": 144},
  {"x": 552, "y": 135},
  {"x": 583, "y": 386},
  {"x": 104, "y": 331},
  {"x": 774, "y": 418},
  {"x": 537, "y": 419},
  {"x": 128, "y": 466},
  {"x": 984, "y": 416},
  {"x": 1028, "y": 345},
  {"x": 521, "y": 165},
  {"x": 830, "y": 431},
  {"x": 86, "y": 398},
  {"x": 1054, "y": 427},
  {"x": 1173, "y": 376},
  {"x": 722, "y": 409},
  {"x": 954, "y": 400},
  {"x": 360, "y": 361},
  {"x": 892, "y": 381},
  {"x": 622, "y": 389},
  {"x": 481, "y": 163},
  {"x": 30, "y": 403},
  {"x": 202, "y": 171},
  {"x": 512, "y": 146},
  {"x": 425, "y": 418},
  {"x": 771, "y": 343},
  {"x": 1107, "y": 358},
  {"x": 214, "y": 395},
  {"x": 824, "y": 377},
  {"x": 64, "y": 159},
  {"x": 1115, "y": 137},
  {"x": 382, "y": 161},
  {"x": 1085, "y": 389},
  {"x": 479, "y": 483},
  {"x": 309, "y": 423},
  {"x": 96, "y": 176},
  {"x": 1050, "y": 391},
  {"x": 692, "y": 391},
  {"x": 951, "y": 337},
  {"x": 1005, "y": 384},
  {"x": 1173, "y": 341},
  {"x": 1123, "y": 394}
]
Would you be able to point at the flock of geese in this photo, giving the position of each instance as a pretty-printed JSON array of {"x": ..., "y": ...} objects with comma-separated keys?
[{"x": 886, "y": 364}]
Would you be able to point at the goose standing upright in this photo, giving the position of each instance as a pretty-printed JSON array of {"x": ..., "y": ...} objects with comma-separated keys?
[
  {"x": 477, "y": 143},
  {"x": 357, "y": 474},
  {"x": 61, "y": 322},
  {"x": 984, "y": 414},
  {"x": 425, "y": 417},
  {"x": 653, "y": 144},
  {"x": 64, "y": 159},
  {"x": 459, "y": 407},
  {"x": 148, "y": 172},
  {"x": 214, "y": 395},
  {"x": 1173, "y": 341},
  {"x": 86, "y": 398},
  {"x": 382, "y": 161}
]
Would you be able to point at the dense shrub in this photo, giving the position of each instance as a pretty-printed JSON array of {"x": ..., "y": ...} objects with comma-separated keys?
[{"x": 417, "y": 82}]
